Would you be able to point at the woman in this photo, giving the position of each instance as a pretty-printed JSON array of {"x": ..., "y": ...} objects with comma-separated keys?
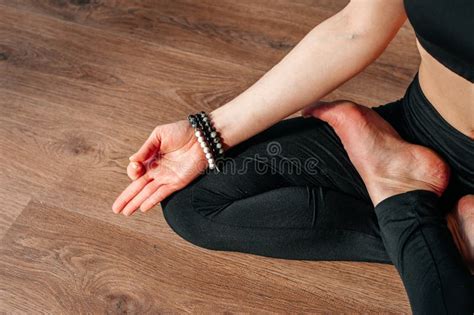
[{"x": 379, "y": 182}]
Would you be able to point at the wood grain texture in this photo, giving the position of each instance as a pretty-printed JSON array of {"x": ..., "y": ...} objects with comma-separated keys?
[
  {"x": 13, "y": 203},
  {"x": 58, "y": 261},
  {"x": 82, "y": 83}
]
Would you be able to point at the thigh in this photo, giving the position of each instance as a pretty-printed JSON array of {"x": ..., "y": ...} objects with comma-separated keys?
[{"x": 312, "y": 223}]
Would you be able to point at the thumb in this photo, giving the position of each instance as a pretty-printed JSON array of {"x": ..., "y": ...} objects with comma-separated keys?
[
  {"x": 135, "y": 170},
  {"x": 149, "y": 148}
]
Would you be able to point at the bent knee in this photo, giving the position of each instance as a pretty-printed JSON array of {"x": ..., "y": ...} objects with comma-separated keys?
[{"x": 188, "y": 223}]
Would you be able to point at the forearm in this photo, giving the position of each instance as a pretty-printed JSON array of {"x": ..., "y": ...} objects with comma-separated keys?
[{"x": 332, "y": 53}]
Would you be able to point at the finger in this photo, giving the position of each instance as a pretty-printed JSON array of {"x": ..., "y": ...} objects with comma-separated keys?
[
  {"x": 158, "y": 196},
  {"x": 148, "y": 149},
  {"x": 135, "y": 203},
  {"x": 134, "y": 188},
  {"x": 135, "y": 170}
]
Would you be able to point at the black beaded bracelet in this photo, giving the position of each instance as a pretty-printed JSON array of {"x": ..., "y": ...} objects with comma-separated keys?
[
  {"x": 207, "y": 137},
  {"x": 211, "y": 134}
]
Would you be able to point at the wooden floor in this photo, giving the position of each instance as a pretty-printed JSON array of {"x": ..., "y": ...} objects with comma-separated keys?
[{"x": 82, "y": 83}]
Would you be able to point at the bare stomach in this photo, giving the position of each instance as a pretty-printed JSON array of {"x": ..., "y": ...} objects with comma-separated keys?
[{"x": 450, "y": 94}]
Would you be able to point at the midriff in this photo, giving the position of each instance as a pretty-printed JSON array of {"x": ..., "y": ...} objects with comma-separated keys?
[{"x": 451, "y": 94}]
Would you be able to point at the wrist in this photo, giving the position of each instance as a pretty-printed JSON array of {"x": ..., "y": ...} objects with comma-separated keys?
[
  {"x": 225, "y": 126},
  {"x": 208, "y": 137},
  {"x": 234, "y": 124}
]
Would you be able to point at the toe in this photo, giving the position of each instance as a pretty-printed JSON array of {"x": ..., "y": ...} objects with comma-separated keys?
[
  {"x": 335, "y": 113},
  {"x": 465, "y": 206}
]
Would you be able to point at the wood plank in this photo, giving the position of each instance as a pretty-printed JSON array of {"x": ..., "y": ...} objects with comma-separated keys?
[
  {"x": 220, "y": 30},
  {"x": 58, "y": 261},
  {"x": 13, "y": 203},
  {"x": 29, "y": 158},
  {"x": 62, "y": 104},
  {"x": 227, "y": 29},
  {"x": 144, "y": 70}
]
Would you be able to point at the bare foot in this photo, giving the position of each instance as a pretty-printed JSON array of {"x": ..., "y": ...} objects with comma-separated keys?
[
  {"x": 461, "y": 225},
  {"x": 387, "y": 164}
]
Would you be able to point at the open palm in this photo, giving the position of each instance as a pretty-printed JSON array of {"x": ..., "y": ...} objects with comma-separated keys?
[{"x": 168, "y": 160}]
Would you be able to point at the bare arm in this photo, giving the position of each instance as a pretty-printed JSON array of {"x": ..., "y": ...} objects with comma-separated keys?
[{"x": 332, "y": 53}]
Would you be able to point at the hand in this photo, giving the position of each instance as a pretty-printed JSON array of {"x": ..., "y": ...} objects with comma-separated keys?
[{"x": 169, "y": 159}]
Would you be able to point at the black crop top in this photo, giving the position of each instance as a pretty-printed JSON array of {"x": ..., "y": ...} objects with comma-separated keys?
[{"x": 445, "y": 29}]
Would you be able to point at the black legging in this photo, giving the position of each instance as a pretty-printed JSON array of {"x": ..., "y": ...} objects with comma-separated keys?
[{"x": 292, "y": 192}]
